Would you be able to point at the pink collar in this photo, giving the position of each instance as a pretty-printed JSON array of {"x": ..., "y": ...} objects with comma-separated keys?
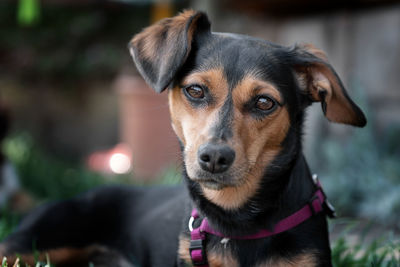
[{"x": 316, "y": 204}]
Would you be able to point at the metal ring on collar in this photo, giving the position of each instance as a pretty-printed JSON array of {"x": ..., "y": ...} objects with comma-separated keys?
[{"x": 191, "y": 220}]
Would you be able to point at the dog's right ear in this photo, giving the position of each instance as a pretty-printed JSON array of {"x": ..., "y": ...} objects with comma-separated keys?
[{"x": 159, "y": 51}]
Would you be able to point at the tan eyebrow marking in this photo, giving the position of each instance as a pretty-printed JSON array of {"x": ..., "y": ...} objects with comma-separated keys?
[{"x": 262, "y": 87}]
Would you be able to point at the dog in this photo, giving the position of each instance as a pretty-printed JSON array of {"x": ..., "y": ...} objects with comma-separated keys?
[{"x": 237, "y": 106}]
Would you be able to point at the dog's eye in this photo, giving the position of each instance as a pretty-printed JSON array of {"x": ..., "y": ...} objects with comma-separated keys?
[
  {"x": 195, "y": 91},
  {"x": 264, "y": 103}
]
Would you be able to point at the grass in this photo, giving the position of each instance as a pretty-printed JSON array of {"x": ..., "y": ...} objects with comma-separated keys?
[
  {"x": 377, "y": 253},
  {"x": 359, "y": 244},
  {"x": 19, "y": 264},
  {"x": 8, "y": 221}
]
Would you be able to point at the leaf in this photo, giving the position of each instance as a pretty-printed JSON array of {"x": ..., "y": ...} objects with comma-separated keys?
[{"x": 28, "y": 12}]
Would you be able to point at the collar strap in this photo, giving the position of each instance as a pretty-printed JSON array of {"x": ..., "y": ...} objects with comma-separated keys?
[{"x": 316, "y": 204}]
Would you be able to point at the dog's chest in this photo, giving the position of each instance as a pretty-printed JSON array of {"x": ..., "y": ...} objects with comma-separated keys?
[
  {"x": 225, "y": 258},
  {"x": 215, "y": 258}
]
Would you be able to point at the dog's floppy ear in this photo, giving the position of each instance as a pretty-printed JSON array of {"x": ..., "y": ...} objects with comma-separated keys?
[
  {"x": 320, "y": 82},
  {"x": 160, "y": 50}
]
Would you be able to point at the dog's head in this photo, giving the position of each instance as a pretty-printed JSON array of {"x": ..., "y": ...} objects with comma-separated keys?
[{"x": 236, "y": 100}]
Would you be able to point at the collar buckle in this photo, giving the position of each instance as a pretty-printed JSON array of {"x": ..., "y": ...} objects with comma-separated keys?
[
  {"x": 310, "y": 204},
  {"x": 198, "y": 253},
  {"x": 329, "y": 209},
  {"x": 326, "y": 205}
]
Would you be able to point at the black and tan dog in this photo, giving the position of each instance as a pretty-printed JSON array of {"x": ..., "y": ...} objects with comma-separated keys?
[{"x": 237, "y": 105}]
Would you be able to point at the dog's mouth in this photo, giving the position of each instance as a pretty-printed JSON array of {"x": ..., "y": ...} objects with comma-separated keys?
[
  {"x": 215, "y": 181},
  {"x": 211, "y": 184}
]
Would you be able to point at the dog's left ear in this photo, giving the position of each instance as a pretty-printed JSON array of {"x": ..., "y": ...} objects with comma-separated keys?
[
  {"x": 160, "y": 50},
  {"x": 320, "y": 82}
]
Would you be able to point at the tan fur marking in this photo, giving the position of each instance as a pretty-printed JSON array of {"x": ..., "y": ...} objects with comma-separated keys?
[
  {"x": 224, "y": 259},
  {"x": 256, "y": 142},
  {"x": 192, "y": 126},
  {"x": 338, "y": 107},
  {"x": 175, "y": 26},
  {"x": 259, "y": 142},
  {"x": 183, "y": 250},
  {"x": 251, "y": 86},
  {"x": 2, "y": 251},
  {"x": 310, "y": 48},
  {"x": 304, "y": 260}
]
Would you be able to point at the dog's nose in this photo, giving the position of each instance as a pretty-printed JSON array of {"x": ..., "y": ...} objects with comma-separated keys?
[{"x": 215, "y": 158}]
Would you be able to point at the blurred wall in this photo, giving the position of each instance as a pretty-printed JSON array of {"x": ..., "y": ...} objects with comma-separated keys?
[{"x": 57, "y": 73}]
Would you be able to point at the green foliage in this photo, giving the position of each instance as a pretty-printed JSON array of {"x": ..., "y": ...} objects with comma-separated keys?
[
  {"x": 8, "y": 221},
  {"x": 47, "y": 177},
  {"x": 71, "y": 44},
  {"x": 360, "y": 244},
  {"x": 377, "y": 253},
  {"x": 361, "y": 174},
  {"x": 28, "y": 12},
  {"x": 38, "y": 263}
]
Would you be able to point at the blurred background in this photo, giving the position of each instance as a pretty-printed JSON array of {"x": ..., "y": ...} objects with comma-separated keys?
[{"x": 78, "y": 114}]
